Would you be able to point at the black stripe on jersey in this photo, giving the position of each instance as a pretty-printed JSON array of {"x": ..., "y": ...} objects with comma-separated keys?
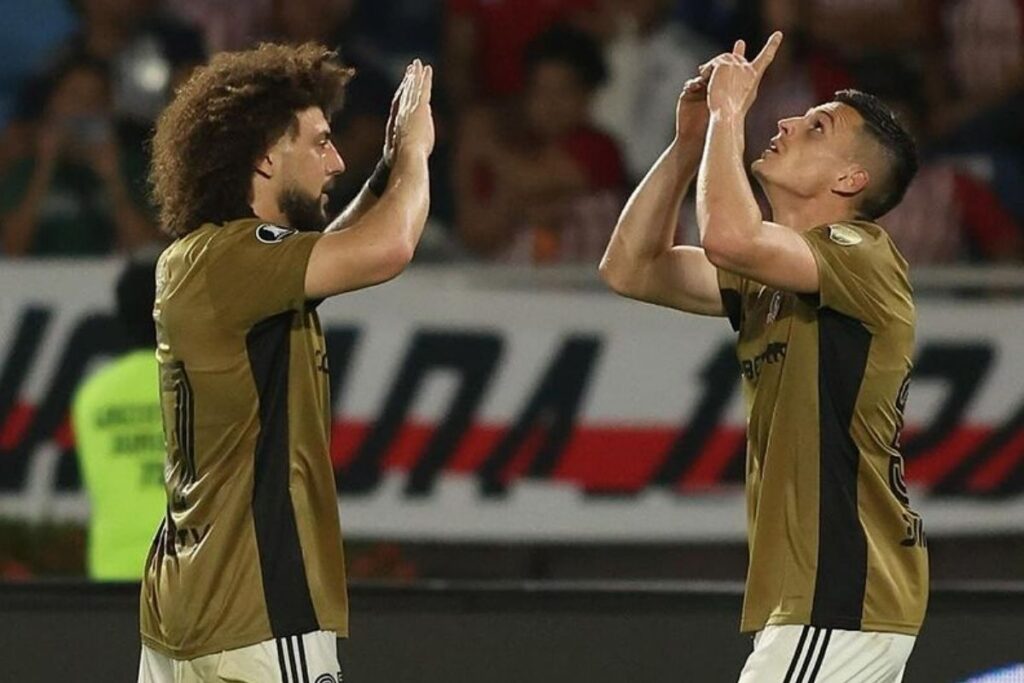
[
  {"x": 184, "y": 427},
  {"x": 796, "y": 655},
  {"x": 302, "y": 659},
  {"x": 280, "y": 661},
  {"x": 285, "y": 588},
  {"x": 809, "y": 656},
  {"x": 732, "y": 302},
  {"x": 821, "y": 657},
  {"x": 843, "y": 345},
  {"x": 291, "y": 661}
]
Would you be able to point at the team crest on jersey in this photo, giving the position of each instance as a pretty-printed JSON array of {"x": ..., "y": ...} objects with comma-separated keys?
[
  {"x": 272, "y": 234},
  {"x": 844, "y": 236},
  {"x": 325, "y": 678}
]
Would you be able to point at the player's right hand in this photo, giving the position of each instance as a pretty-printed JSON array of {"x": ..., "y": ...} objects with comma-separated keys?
[
  {"x": 411, "y": 124},
  {"x": 733, "y": 80}
]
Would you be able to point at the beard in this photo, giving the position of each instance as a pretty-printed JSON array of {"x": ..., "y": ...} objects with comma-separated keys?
[{"x": 304, "y": 212}]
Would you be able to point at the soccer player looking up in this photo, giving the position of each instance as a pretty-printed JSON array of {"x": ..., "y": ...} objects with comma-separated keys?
[
  {"x": 837, "y": 581},
  {"x": 245, "y": 579}
]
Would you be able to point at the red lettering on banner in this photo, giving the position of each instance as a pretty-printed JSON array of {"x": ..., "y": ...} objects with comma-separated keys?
[
  {"x": 604, "y": 457},
  {"x": 345, "y": 439},
  {"x": 710, "y": 467},
  {"x": 64, "y": 437},
  {"x": 614, "y": 458},
  {"x": 929, "y": 467},
  {"x": 526, "y": 454},
  {"x": 475, "y": 447},
  {"x": 999, "y": 466},
  {"x": 623, "y": 458},
  {"x": 14, "y": 427},
  {"x": 410, "y": 442}
]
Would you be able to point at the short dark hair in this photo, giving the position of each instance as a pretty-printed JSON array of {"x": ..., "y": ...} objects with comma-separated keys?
[
  {"x": 572, "y": 47},
  {"x": 885, "y": 128},
  {"x": 224, "y": 118}
]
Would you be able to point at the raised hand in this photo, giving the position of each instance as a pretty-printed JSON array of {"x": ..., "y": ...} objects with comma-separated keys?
[
  {"x": 691, "y": 110},
  {"x": 389, "y": 132},
  {"x": 733, "y": 81},
  {"x": 411, "y": 124}
]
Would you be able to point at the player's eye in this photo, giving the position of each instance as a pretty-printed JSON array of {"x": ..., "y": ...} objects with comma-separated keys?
[{"x": 818, "y": 126}]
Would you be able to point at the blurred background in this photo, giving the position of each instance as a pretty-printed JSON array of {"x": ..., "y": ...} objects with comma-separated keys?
[{"x": 498, "y": 415}]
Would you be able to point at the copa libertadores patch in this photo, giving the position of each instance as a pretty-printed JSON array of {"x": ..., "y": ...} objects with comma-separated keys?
[
  {"x": 842, "y": 235},
  {"x": 272, "y": 234}
]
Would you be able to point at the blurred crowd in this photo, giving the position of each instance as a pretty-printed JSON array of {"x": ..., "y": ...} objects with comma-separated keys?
[{"x": 548, "y": 111}]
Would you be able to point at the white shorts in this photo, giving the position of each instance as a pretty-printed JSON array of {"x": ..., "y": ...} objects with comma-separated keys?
[
  {"x": 806, "y": 654},
  {"x": 309, "y": 658}
]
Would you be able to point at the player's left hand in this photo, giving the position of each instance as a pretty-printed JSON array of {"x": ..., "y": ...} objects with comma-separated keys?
[
  {"x": 411, "y": 124},
  {"x": 733, "y": 81},
  {"x": 389, "y": 132}
]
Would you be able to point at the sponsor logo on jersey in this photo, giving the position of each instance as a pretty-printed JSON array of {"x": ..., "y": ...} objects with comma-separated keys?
[
  {"x": 272, "y": 234},
  {"x": 844, "y": 236},
  {"x": 775, "y": 352}
]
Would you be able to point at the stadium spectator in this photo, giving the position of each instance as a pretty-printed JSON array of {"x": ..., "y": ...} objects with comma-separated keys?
[
  {"x": 81, "y": 191},
  {"x": 119, "y": 438},
  {"x": 948, "y": 214},
  {"x": 536, "y": 181},
  {"x": 225, "y": 26},
  {"x": 148, "y": 51},
  {"x": 649, "y": 55},
  {"x": 385, "y": 36},
  {"x": 485, "y": 41},
  {"x": 300, "y": 21},
  {"x": 977, "y": 87},
  {"x": 982, "y": 68},
  {"x": 29, "y": 33},
  {"x": 720, "y": 21},
  {"x": 858, "y": 28}
]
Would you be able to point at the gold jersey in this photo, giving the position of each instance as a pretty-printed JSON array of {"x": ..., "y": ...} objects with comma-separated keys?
[
  {"x": 832, "y": 539},
  {"x": 250, "y": 547}
]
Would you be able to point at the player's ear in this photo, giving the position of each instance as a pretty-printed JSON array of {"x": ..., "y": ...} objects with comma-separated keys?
[
  {"x": 272, "y": 157},
  {"x": 851, "y": 181},
  {"x": 265, "y": 167}
]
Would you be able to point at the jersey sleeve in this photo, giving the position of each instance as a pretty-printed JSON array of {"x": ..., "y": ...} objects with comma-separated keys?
[
  {"x": 258, "y": 270},
  {"x": 731, "y": 288},
  {"x": 860, "y": 273}
]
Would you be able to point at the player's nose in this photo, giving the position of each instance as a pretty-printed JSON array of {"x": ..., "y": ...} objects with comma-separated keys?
[{"x": 335, "y": 164}]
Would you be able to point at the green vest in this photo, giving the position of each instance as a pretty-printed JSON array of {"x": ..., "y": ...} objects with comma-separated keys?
[{"x": 120, "y": 442}]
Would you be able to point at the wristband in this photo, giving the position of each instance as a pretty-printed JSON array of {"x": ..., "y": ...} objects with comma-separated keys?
[{"x": 378, "y": 181}]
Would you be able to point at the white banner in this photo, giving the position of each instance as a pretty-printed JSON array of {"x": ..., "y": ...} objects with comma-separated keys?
[{"x": 468, "y": 408}]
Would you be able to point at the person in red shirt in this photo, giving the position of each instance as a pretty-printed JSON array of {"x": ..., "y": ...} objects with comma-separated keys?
[
  {"x": 535, "y": 180},
  {"x": 949, "y": 213},
  {"x": 485, "y": 41}
]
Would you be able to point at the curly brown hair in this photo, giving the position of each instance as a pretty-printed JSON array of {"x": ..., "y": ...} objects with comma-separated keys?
[{"x": 224, "y": 118}]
